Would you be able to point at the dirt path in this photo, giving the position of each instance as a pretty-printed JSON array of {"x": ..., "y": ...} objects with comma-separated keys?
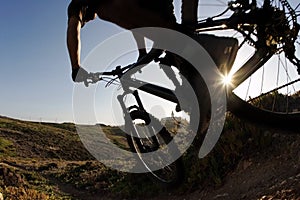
[{"x": 273, "y": 173}]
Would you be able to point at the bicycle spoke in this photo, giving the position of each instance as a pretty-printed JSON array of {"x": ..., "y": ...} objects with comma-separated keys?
[
  {"x": 262, "y": 78},
  {"x": 285, "y": 66},
  {"x": 248, "y": 88}
]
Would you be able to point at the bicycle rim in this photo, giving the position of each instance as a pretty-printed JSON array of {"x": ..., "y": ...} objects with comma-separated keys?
[{"x": 271, "y": 94}]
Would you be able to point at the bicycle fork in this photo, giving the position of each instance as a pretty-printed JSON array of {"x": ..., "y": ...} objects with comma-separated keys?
[
  {"x": 139, "y": 107},
  {"x": 130, "y": 114}
]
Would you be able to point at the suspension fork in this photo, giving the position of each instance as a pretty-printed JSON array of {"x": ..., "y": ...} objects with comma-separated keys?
[
  {"x": 129, "y": 128},
  {"x": 126, "y": 114},
  {"x": 127, "y": 111}
]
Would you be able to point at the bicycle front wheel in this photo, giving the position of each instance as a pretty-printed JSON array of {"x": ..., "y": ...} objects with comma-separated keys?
[{"x": 166, "y": 116}]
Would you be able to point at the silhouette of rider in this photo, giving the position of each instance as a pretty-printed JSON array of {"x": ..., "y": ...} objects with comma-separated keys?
[{"x": 128, "y": 14}]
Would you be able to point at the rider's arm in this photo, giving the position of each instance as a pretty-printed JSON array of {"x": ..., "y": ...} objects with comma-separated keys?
[
  {"x": 73, "y": 41},
  {"x": 75, "y": 23},
  {"x": 74, "y": 45},
  {"x": 78, "y": 14}
]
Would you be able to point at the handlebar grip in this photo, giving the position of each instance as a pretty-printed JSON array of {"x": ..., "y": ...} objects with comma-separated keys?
[{"x": 86, "y": 83}]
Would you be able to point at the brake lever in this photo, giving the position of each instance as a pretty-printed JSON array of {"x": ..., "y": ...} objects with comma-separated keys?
[
  {"x": 86, "y": 83},
  {"x": 92, "y": 79}
]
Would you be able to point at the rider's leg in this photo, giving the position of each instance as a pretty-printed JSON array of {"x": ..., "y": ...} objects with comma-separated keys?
[{"x": 189, "y": 11}]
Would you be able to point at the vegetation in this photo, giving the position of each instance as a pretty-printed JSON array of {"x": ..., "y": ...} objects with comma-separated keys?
[
  {"x": 237, "y": 140},
  {"x": 48, "y": 161},
  {"x": 279, "y": 102}
]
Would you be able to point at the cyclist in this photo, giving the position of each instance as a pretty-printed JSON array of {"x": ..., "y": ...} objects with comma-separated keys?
[{"x": 127, "y": 14}]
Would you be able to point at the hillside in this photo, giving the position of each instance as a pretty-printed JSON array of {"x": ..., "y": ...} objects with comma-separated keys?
[{"x": 48, "y": 161}]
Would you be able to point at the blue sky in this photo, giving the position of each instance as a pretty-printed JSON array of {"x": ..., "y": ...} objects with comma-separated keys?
[
  {"x": 33, "y": 58},
  {"x": 35, "y": 80}
]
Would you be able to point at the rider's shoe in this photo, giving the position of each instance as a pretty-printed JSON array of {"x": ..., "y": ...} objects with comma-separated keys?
[{"x": 79, "y": 75}]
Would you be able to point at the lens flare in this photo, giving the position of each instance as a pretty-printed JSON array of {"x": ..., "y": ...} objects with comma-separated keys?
[{"x": 226, "y": 79}]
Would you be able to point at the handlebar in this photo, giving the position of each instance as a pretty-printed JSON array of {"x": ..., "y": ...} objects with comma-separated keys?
[
  {"x": 98, "y": 76},
  {"x": 119, "y": 71}
]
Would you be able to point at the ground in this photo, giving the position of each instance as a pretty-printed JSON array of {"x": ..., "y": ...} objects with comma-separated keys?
[
  {"x": 48, "y": 161},
  {"x": 272, "y": 173}
]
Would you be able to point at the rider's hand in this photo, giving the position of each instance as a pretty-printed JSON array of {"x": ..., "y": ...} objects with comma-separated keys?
[{"x": 79, "y": 75}]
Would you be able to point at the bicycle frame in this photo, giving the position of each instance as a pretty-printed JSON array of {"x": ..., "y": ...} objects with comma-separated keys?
[
  {"x": 253, "y": 64},
  {"x": 150, "y": 88}
]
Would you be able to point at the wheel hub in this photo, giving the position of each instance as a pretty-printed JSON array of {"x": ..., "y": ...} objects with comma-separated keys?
[{"x": 274, "y": 31}]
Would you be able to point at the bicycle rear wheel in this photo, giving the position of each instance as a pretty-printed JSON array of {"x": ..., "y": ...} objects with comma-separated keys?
[{"x": 269, "y": 95}]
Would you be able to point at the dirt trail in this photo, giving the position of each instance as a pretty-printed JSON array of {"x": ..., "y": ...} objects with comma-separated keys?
[{"x": 272, "y": 173}]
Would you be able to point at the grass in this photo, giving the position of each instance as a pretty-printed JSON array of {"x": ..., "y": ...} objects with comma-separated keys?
[
  {"x": 238, "y": 140},
  {"x": 6, "y": 147},
  {"x": 49, "y": 161}
]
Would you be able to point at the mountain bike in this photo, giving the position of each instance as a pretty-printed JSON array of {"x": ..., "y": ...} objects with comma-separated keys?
[{"x": 267, "y": 29}]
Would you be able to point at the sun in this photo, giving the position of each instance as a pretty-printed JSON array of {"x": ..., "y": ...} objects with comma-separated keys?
[{"x": 226, "y": 79}]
